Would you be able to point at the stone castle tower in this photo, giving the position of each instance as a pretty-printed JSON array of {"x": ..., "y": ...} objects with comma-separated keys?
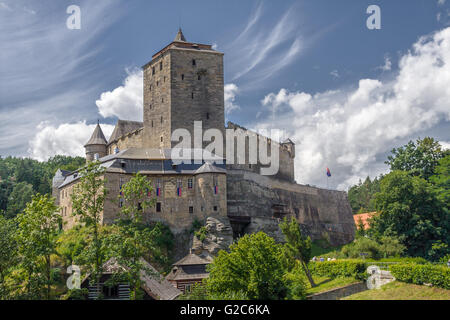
[
  {"x": 183, "y": 83},
  {"x": 96, "y": 146}
]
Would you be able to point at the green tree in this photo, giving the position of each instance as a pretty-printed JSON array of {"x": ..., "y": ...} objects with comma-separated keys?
[
  {"x": 8, "y": 252},
  {"x": 361, "y": 195},
  {"x": 18, "y": 199},
  {"x": 297, "y": 245},
  {"x": 38, "y": 228},
  {"x": 134, "y": 240},
  {"x": 441, "y": 180},
  {"x": 254, "y": 266},
  {"x": 410, "y": 211},
  {"x": 88, "y": 201},
  {"x": 360, "y": 228},
  {"x": 419, "y": 158}
]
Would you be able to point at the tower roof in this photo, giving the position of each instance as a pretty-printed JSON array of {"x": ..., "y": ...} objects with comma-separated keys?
[
  {"x": 180, "y": 36},
  {"x": 97, "y": 137}
]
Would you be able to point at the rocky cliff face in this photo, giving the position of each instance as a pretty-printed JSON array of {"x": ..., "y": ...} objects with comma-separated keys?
[
  {"x": 259, "y": 203},
  {"x": 218, "y": 236}
]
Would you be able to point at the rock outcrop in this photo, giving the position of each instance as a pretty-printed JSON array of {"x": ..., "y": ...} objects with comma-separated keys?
[{"x": 219, "y": 236}]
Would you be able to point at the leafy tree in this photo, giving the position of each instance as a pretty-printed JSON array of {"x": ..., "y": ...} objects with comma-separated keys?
[
  {"x": 18, "y": 199},
  {"x": 38, "y": 228},
  {"x": 441, "y": 180},
  {"x": 8, "y": 252},
  {"x": 419, "y": 158},
  {"x": 254, "y": 266},
  {"x": 134, "y": 240},
  {"x": 360, "y": 228},
  {"x": 88, "y": 201},
  {"x": 410, "y": 210},
  {"x": 6, "y": 187},
  {"x": 361, "y": 195},
  {"x": 297, "y": 245}
]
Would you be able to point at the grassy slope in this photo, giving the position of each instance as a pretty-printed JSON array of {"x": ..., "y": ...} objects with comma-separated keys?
[
  {"x": 402, "y": 291},
  {"x": 325, "y": 284}
]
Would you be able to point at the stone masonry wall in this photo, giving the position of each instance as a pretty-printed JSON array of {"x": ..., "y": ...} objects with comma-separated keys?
[{"x": 266, "y": 201}]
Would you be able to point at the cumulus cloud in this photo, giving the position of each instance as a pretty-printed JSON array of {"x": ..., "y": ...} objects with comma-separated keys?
[
  {"x": 387, "y": 64},
  {"x": 230, "y": 91},
  {"x": 65, "y": 139},
  {"x": 124, "y": 102},
  {"x": 351, "y": 130}
]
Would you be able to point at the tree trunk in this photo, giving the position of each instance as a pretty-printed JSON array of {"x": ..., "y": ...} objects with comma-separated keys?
[{"x": 308, "y": 274}]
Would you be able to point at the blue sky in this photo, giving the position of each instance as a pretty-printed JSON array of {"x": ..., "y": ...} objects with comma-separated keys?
[{"x": 311, "y": 68}]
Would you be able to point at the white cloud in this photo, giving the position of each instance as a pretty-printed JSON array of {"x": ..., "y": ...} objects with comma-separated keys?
[
  {"x": 387, "y": 64},
  {"x": 441, "y": 2},
  {"x": 65, "y": 139},
  {"x": 334, "y": 74},
  {"x": 124, "y": 102},
  {"x": 445, "y": 145},
  {"x": 230, "y": 91},
  {"x": 351, "y": 130}
]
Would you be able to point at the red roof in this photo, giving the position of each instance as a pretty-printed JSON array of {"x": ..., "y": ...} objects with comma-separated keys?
[{"x": 364, "y": 218}]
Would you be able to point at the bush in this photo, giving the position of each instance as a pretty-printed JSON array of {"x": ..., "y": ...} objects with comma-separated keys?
[
  {"x": 362, "y": 245},
  {"x": 339, "y": 268},
  {"x": 437, "y": 275}
]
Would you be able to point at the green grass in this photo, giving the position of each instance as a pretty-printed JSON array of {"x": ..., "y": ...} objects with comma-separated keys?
[
  {"x": 327, "y": 283},
  {"x": 402, "y": 291}
]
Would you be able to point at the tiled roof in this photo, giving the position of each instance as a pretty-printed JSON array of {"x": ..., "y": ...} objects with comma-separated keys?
[
  {"x": 193, "y": 259},
  {"x": 97, "y": 137},
  {"x": 364, "y": 217},
  {"x": 124, "y": 127}
]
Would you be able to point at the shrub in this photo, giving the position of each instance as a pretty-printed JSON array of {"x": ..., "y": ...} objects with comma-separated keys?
[
  {"x": 339, "y": 268},
  {"x": 362, "y": 245},
  {"x": 437, "y": 275}
]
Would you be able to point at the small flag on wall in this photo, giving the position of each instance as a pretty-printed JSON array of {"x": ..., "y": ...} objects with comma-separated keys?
[
  {"x": 158, "y": 192},
  {"x": 179, "y": 191},
  {"x": 216, "y": 189},
  {"x": 328, "y": 172}
]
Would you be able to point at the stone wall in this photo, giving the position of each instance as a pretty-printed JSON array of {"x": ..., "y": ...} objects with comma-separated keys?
[
  {"x": 131, "y": 140},
  {"x": 338, "y": 293},
  {"x": 265, "y": 201}
]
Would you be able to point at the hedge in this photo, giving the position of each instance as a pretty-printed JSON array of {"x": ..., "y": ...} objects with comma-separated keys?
[
  {"x": 437, "y": 275},
  {"x": 339, "y": 268}
]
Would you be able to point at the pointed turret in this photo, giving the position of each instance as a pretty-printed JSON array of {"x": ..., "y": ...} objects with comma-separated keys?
[
  {"x": 96, "y": 146},
  {"x": 180, "y": 36}
]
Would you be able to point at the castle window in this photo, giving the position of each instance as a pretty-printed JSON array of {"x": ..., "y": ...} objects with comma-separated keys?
[
  {"x": 190, "y": 183},
  {"x": 153, "y": 70},
  {"x": 160, "y": 66},
  {"x": 161, "y": 139},
  {"x": 164, "y": 79},
  {"x": 199, "y": 77},
  {"x": 215, "y": 208},
  {"x": 192, "y": 95},
  {"x": 152, "y": 123},
  {"x": 161, "y": 119},
  {"x": 182, "y": 77},
  {"x": 207, "y": 115},
  {"x": 162, "y": 100},
  {"x": 157, "y": 83},
  {"x": 191, "y": 209},
  {"x": 150, "y": 88},
  {"x": 194, "y": 62},
  {"x": 158, "y": 207}
]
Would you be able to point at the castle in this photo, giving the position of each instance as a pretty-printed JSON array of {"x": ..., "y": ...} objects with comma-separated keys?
[{"x": 184, "y": 83}]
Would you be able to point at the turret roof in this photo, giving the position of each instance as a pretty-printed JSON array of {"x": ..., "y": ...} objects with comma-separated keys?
[{"x": 97, "y": 137}]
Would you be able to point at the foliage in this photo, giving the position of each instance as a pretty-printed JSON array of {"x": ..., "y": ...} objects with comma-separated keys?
[
  {"x": 20, "y": 195},
  {"x": 441, "y": 180},
  {"x": 410, "y": 210},
  {"x": 297, "y": 246},
  {"x": 8, "y": 253},
  {"x": 253, "y": 266},
  {"x": 360, "y": 228},
  {"x": 133, "y": 240},
  {"x": 296, "y": 282},
  {"x": 199, "y": 292},
  {"x": 201, "y": 233},
  {"x": 38, "y": 228},
  {"x": 87, "y": 202},
  {"x": 339, "y": 268},
  {"x": 437, "y": 275},
  {"x": 386, "y": 247},
  {"x": 418, "y": 159},
  {"x": 196, "y": 225},
  {"x": 39, "y": 175},
  {"x": 361, "y": 195}
]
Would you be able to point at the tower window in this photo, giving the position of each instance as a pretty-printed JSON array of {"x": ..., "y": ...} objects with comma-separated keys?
[
  {"x": 158, "y": 207},
  {"x": 190, "y": 183},
  {"x": 182, "y": 77},
  {"x": 157, "y": 83},
  {"x": 192, "y": 95},
  {"x": 161, "y": 139},
  {"x": 164, "y": 78},
  {"x": 162, "y": 100},
  {"x": 191, "y": 209},
  {"x": 215, "y": 208},
  {"x": 160, "y": 66},
  {"x": 207, "y": 115},
  {"x": 161, "y": 119},
  {"x": 152, "y": 123},
  {"x": 194, "y": 62},
  {"x": 199, "y": 77},
  {"x": 153, "y": 70},
  {"x": 150, "y": 88}
]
